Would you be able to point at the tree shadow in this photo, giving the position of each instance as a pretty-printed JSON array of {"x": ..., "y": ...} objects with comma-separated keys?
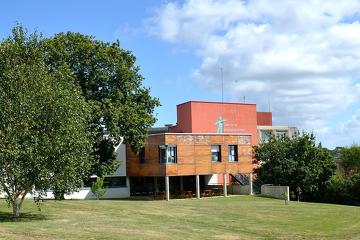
[{"x": 24, "y": 217}]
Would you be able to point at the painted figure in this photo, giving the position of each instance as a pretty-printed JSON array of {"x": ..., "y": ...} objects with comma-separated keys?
[{"x": 220, "y": 124}]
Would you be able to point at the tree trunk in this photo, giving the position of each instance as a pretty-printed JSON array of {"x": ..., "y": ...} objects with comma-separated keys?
[
  {"x": 16, "y": 207},
  {"x": 16, "y": 204}
]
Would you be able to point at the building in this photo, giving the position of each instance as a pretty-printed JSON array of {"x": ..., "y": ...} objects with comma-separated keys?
[
  {"x": 264, "y": 132},
  {"x": 210, "y": 146}
]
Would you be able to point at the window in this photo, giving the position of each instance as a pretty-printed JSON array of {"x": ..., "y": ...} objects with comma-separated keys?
[
  {"x": 233, "y": 153},
  {"x": 281, "y": 134},
  {"x": 114, "y": 182},
  {"x": 167, "y": 154},
  {"x": 215, "y": 153},
  {"x": 264, "y": 135},
  {"x": 109, "y": 182},
  {"x": 142, "y": 156}
]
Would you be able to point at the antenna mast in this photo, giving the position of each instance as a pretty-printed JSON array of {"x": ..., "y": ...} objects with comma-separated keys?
[{"x": 222, "y": 86}]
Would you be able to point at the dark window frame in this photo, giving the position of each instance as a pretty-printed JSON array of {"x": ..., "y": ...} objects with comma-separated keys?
[
  {"x": 233, "y": 157},
  {"x": 217, "y": 154},
  {"x": 167, "y": 154},
  {"x": 142, "y": 156}
]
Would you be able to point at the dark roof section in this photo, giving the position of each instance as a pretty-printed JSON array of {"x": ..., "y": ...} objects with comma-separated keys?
[{"x": 236, "y": 103}]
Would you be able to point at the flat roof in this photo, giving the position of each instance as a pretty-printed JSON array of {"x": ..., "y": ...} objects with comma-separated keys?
[
  {"x": 209, "y": 102},
  {"x": 218, "y": 134}
]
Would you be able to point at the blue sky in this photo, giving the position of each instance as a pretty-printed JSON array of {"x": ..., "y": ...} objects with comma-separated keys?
[{"x": 303, "y": 58}]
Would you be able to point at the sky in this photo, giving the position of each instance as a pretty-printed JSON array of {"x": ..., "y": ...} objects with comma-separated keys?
[{"x": 300, "y": 59}]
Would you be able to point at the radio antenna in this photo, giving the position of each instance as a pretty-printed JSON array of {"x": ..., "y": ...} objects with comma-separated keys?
[{"x": 222, "y": 86}]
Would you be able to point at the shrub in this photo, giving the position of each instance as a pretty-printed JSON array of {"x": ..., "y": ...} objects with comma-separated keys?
[{"x": 97, "y": 188}]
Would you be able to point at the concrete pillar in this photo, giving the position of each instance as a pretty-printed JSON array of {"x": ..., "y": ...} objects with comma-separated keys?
[
  {"x": 128, "y": 182},
  {"x": 181, "y": 183},
  {"x": 251, "y": 183},
  {"x": 225, "y": 184},
  {"x": 167, "y": 188},
  {"x": 197, "y": 186},
  {"x": 155, "y": 186}
]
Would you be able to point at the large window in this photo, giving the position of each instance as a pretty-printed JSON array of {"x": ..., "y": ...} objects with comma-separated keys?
[
  {"x": 114, "y": 182},
  {"x": 215, "y": 153},
  {"x": 233, "y": 153},
  {"x": 109, "y": 182},
  {"x": 167, "y": 154}
]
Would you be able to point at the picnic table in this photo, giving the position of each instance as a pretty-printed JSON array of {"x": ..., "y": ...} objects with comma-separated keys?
[
  {"x": 207, "y": 193},
  {"x": 187, "y": 194}
]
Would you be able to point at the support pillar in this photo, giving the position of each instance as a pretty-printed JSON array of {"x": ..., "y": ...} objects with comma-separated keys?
[
  {"x": 225, "y": 184},
  {"x": 181, "y": 183},
  {"x": 251, "y": 184},
  {"x": 155, "y": 186},
  {"x": 167, "y": 188},
  {"x": 197, "y": 186}
]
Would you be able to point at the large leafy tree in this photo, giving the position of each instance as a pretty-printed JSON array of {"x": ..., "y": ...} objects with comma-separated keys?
[
  {"x": 351, "y": 159},
  {"x": 44, "y": 142},
  {"x": 296, "y": 162},
  {"x": 112, "y": 85}
]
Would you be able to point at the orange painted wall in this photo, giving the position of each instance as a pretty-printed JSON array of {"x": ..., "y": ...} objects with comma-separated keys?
[{"x": 240, "y": 118}]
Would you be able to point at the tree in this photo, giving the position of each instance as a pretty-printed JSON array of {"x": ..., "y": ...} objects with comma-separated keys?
[
  {"x": 112, "y": 85},
  {"x": 351, "y": 159},
  {"x": 97, "y": 188},
  {"x": 295, "y": 162},
  {"x": 44, "y": 142}
]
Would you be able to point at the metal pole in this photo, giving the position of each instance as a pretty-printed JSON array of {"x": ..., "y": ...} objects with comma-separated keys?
[
  {"x": 167, "y": 189},
  {"x": 225, "y": 184},
  {"x": 197, "y": 187}
]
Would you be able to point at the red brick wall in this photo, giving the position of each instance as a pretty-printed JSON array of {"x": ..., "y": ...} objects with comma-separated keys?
[{"x": 264, "y": 118}]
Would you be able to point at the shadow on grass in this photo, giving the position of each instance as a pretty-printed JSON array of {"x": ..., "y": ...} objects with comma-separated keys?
[{"x": 24, "y": 217}]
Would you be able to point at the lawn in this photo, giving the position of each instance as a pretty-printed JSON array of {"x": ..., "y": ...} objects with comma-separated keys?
[{"x": 237, "y": 217}]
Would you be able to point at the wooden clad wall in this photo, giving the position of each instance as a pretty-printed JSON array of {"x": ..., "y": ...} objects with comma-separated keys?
[
  {"x": 151, "y": 165},
  {"x": 193, "y": 155}
]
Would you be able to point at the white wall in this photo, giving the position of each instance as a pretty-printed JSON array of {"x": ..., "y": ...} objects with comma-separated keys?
[
  {"x": 85, "y": 193},
  {"x": 121, "y": 157},
  {"x": 275, "y": 191},
  {"x": 211, "y": 179}
]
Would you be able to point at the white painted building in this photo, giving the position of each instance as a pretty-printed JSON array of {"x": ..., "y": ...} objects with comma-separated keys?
[{"x": 117, "y": 184}]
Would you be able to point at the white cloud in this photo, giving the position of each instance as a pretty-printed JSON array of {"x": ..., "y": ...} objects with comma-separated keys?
[
  {"x": 303, "y": 55},
  {"x": 344, "y": 132}
]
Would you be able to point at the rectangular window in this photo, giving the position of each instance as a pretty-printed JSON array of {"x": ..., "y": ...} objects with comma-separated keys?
[
  {"x": 167, "y": 154},
  {"x": 281, "y": 134},
  {"x": 215, "y": 153},
  {"x": 114, "y": 182},
  {"x": 264, "y": 135},
  {"x": 142, "y": 156},
  {"x": 233, "y": 153}
]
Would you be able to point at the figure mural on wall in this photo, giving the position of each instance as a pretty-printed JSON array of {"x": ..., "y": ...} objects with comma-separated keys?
[{"x": 220, "y": 124}]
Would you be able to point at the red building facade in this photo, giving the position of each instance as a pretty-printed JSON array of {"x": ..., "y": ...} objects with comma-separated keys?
[{"x": 203, "y": 117}]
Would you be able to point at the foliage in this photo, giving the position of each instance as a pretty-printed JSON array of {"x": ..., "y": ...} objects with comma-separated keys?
[
  {"x": 43, "y": 122},
  {"x": 295, "y": 162},
  {"x": 351, "y": 159},
  {"x": 112, "y": 85},
  {"x": 342, "y": 190},
  {"x": 97, "y": 188}
]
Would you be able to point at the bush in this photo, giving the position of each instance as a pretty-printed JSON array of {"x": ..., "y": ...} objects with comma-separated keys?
[
  {"x": 97, "y": 188},
  {"x": 342, "y": 190}
]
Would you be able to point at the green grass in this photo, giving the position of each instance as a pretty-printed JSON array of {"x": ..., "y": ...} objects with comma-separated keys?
[{"x": 240, "y": 217}]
